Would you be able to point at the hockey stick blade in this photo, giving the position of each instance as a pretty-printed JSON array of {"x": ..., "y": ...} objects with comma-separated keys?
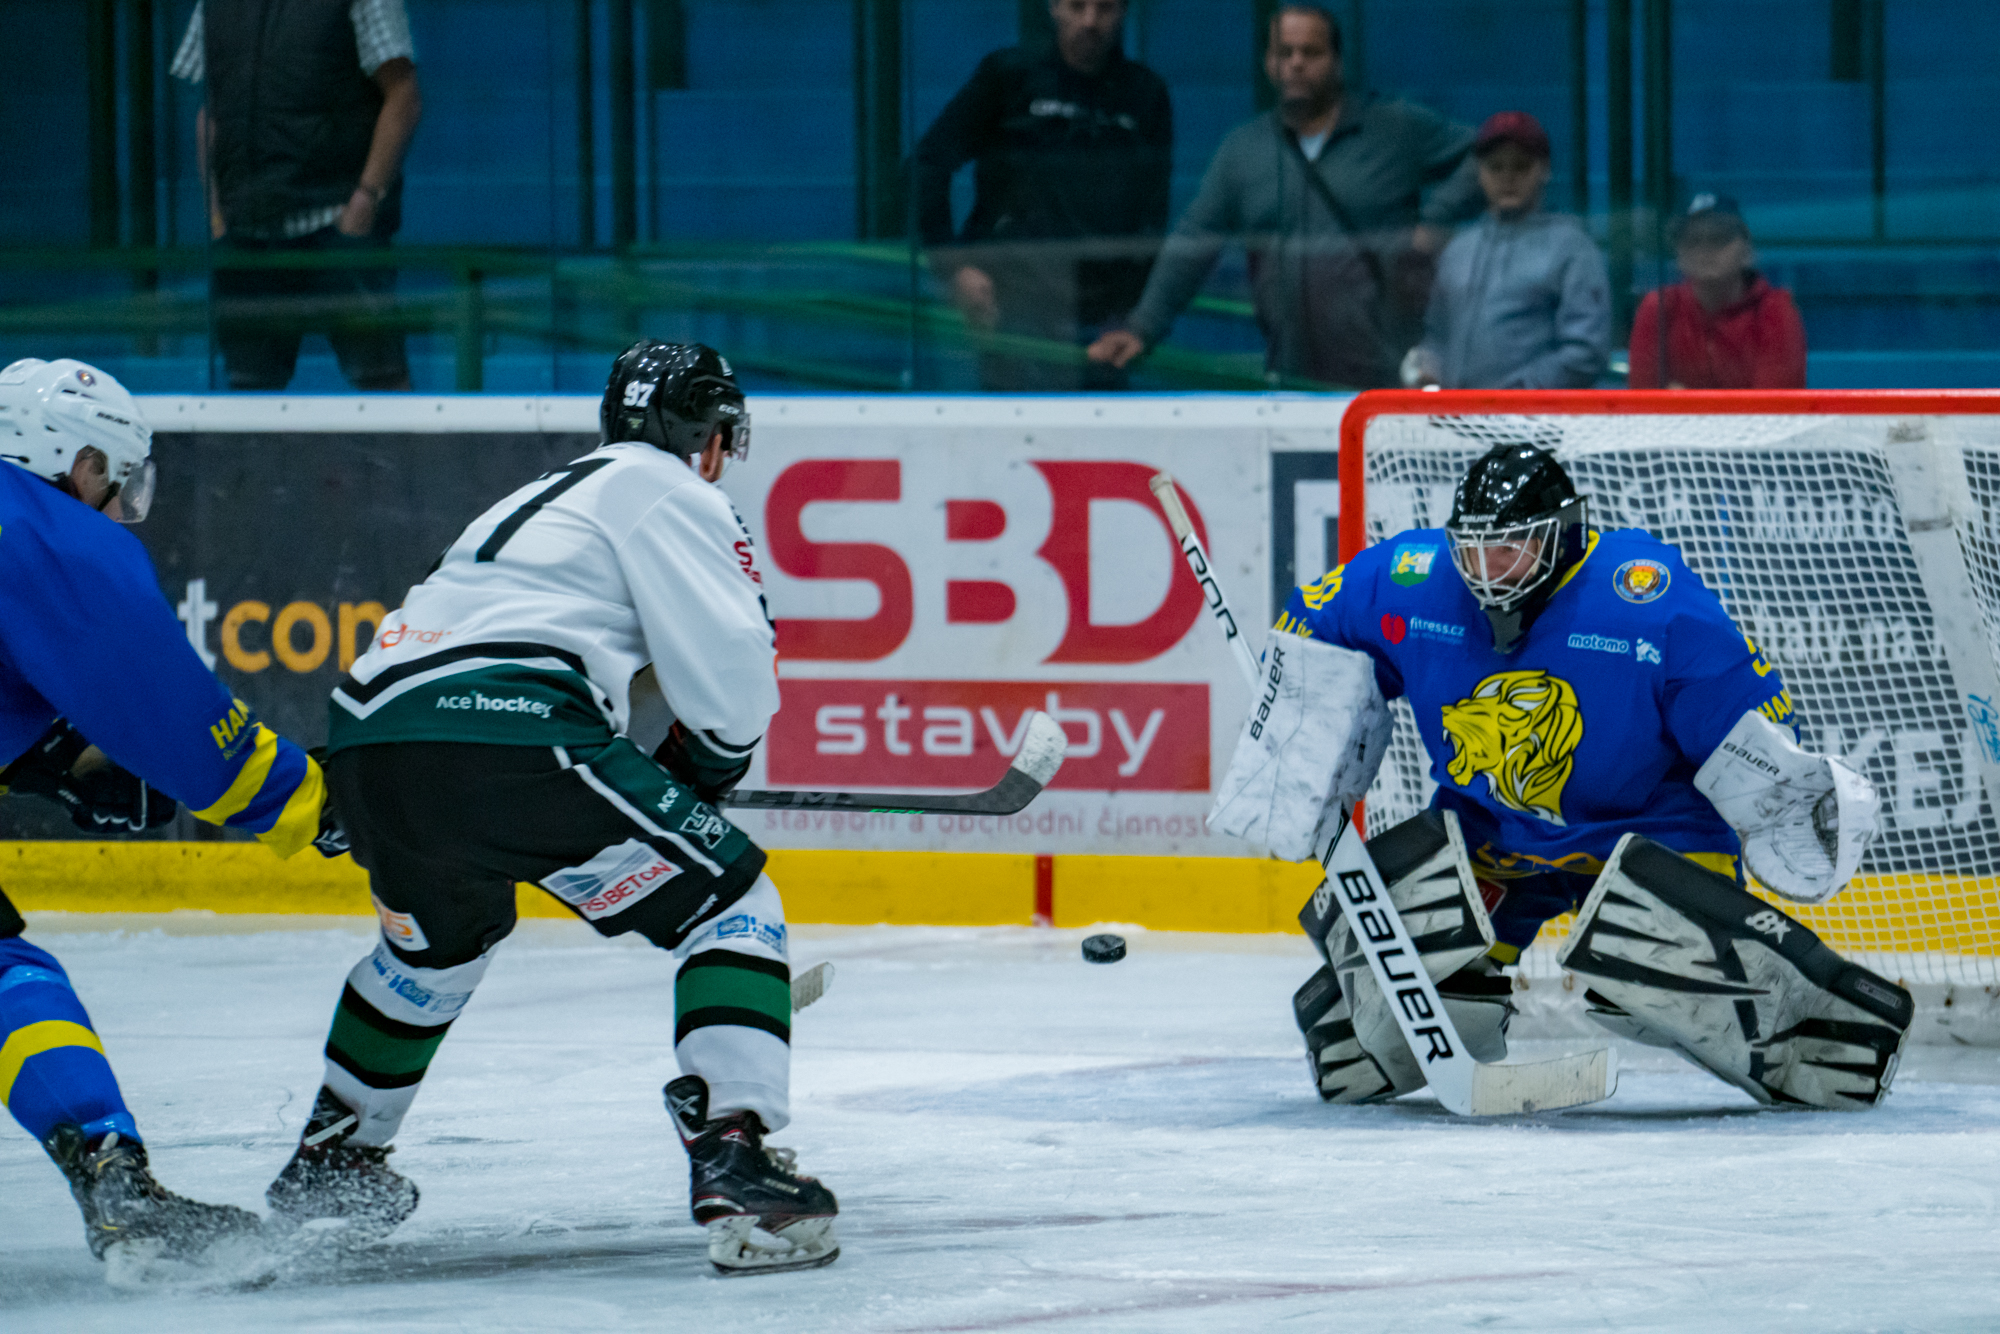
[
  {"x": 810, "y": 985},
  {"x": 1463, "y": 1085},
  {"x": 1041, "y": 754}
]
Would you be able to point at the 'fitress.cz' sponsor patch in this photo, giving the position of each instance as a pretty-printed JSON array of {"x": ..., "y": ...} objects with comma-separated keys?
[{"x": 613, "y": 880}]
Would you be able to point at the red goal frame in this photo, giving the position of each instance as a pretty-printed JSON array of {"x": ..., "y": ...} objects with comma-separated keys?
[{"x": 1353, "y": 529}]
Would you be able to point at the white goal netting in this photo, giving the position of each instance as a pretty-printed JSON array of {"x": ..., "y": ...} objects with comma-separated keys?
[{"x": 1830, "y": 539}]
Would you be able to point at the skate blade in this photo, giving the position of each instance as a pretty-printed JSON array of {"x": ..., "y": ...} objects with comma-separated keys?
[
  {"x": 737, "y": 1246},
  {"x": 227, "y": 1261}
]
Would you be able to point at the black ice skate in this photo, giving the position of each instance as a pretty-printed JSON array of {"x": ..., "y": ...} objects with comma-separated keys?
[
  {"x": 330, "y": 1178},
  {"x": 122, "y": 1203},
  {"x": 762, "y": 1217}
]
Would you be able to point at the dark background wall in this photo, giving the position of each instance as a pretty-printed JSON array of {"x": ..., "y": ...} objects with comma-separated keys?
[{"x": 1852, "y": 130}]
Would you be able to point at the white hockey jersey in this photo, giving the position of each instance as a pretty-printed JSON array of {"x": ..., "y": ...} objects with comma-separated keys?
[{"x": 536, "y": 620}]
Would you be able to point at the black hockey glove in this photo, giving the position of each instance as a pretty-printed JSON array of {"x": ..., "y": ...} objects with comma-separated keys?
[
  {"x": 104, "y": 799},
  {"x": 710, "y": 767},
  {"x": 331, "y": 840}
]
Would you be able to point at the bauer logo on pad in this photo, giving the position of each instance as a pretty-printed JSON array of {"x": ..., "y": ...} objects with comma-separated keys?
[{"x": 1641, "y": 580}]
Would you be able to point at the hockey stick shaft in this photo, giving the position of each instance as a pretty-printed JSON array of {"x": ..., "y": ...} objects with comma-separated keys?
[
  {"x": 1204, "y": 574},
  {"x": 1041, "y": 754}
]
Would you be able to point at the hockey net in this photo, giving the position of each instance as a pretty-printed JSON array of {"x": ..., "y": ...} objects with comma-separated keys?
[{"x": 1855, "y": 538}]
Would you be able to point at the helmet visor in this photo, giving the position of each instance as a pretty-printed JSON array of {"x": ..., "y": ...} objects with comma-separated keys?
[
  {"x": 1502, "y": 566},
  {"x": 135, "y": 493},
  {"x": 736, "y": 438}
]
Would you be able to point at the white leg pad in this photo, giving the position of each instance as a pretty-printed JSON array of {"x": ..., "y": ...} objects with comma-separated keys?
[
  {"x": 1424, "y": 864},
  {"x": 1678, "y": 956}
]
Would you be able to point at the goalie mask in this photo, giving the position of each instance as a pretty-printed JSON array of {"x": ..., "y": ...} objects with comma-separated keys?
[
  {"x": 52, "y": 411},
  {"x": 1517, "y": 526},
  {"x": 674, "y": 396}
]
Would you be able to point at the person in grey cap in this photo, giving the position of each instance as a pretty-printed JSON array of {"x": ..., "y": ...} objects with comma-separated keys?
[
  {"x": 1342, "y": 200},
  {"x": 1521, "y": 299},
  {"x": 1723, "y": 326}
]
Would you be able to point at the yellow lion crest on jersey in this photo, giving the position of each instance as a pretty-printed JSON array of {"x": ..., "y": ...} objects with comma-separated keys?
[{"x": 1521, "y": 729}]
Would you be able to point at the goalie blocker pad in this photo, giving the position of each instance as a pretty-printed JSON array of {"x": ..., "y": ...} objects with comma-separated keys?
[
  {"x": 1358, "y": 1052},
  {"x": 1681, "y": 957},
  {"x": 1310, "y": 747}
]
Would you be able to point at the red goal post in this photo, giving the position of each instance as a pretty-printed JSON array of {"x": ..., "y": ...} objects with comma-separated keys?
[{"x": 1854, "y": 536}]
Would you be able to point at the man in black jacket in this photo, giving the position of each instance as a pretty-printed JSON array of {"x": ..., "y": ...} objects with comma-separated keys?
[
  {"x": 311, "y": 106},
  {"x": 1073, "y": 145}
]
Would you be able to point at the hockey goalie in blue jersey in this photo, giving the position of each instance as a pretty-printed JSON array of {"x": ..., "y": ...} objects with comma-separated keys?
[
  {"x": 1604, "y": 741},
  {"x": 105, "y": 708}
]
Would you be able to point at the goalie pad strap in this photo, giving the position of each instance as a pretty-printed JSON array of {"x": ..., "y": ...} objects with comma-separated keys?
[{"x": 1312, "y": 743}]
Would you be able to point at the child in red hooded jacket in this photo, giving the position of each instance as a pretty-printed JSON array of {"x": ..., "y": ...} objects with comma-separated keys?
[{"x": 1726, "y": 327}]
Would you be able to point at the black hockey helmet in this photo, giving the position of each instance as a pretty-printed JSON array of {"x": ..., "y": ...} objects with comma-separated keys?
[
  {"x": 674, "y": 396},
  {"x": 1517, "y": 526}
]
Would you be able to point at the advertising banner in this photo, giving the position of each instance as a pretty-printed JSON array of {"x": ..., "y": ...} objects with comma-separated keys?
[{"x": 938, "y": 569}]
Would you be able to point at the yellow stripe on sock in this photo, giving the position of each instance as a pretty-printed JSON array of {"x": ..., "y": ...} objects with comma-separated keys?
[{"x": 34, "y": 1039}]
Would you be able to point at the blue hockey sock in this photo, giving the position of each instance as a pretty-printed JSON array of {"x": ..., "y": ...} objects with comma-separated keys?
[{"x": 52, "y": 1067}]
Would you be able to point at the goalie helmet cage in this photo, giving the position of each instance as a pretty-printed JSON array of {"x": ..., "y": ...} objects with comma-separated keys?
[{"x": 1855, "y": 539}]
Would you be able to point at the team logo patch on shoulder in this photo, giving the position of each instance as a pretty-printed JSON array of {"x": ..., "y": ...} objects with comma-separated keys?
[
  {"x": 1410, "y": 563},
  {"x": 1641, "y": 580}
]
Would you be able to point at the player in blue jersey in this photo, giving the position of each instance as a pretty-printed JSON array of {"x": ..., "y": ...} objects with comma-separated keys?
[
  {"x": 1580, "y": 695},
  {"x": 105, "y": 707}
]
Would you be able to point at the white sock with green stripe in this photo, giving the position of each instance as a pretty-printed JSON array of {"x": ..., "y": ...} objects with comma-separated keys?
[{"x": 733, "y": 1008}]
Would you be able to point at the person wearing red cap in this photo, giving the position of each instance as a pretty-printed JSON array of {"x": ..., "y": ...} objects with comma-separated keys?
[
  {"x": 1726, "y": 327},
  {"x": 1521, "y": 299}
]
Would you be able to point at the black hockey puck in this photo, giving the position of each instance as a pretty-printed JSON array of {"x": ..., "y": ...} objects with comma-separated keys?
[{"x": 1103, "y": 949}]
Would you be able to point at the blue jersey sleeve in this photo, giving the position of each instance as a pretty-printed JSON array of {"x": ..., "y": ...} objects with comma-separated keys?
[
  {"x": 86, "y": 627},
  {"x": 1337, "y": 608},
  {"x": 1715, "y": 675}
]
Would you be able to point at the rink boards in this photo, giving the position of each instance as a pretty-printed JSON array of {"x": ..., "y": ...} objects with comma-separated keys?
[{"x": 938, "y": 567}]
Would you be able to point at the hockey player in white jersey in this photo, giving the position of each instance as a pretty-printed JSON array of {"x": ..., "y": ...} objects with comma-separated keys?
[{"x": 561, "y": 701}]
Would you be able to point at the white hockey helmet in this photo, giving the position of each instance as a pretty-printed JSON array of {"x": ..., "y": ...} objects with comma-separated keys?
[{"x": 50, "y": 411}]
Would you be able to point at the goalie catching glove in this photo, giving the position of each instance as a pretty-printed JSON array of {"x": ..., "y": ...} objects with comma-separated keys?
[
  {"x": 1804, "y": 819},
  {"x": 1679, "y": 957},
  {"x": 101, "y": 798},
  {"x": 1308, "y": 750}
]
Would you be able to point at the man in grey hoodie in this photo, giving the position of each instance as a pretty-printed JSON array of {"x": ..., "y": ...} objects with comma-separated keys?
[
  {"x": 1327, "y": 194},
  {"x": 1521, "y": 300}
]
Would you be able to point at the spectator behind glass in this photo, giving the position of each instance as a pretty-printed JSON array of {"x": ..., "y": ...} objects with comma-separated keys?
[
  {"x": 1327, "y": 194},
  {"x": 1726, "y": 327},
  {"x": 1521, "y": 299},
  {"x": 1074, "y": 145},
  {"x": 311, "y": 106}
]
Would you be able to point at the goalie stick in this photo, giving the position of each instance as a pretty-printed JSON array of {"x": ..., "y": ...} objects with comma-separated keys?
[
  {"x": 1354, "y": 887},
  {"x": 1041, "y": 754}
]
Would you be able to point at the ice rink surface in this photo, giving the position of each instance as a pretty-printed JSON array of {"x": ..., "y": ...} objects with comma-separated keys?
[{"x": 1019, "y": 1140}]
